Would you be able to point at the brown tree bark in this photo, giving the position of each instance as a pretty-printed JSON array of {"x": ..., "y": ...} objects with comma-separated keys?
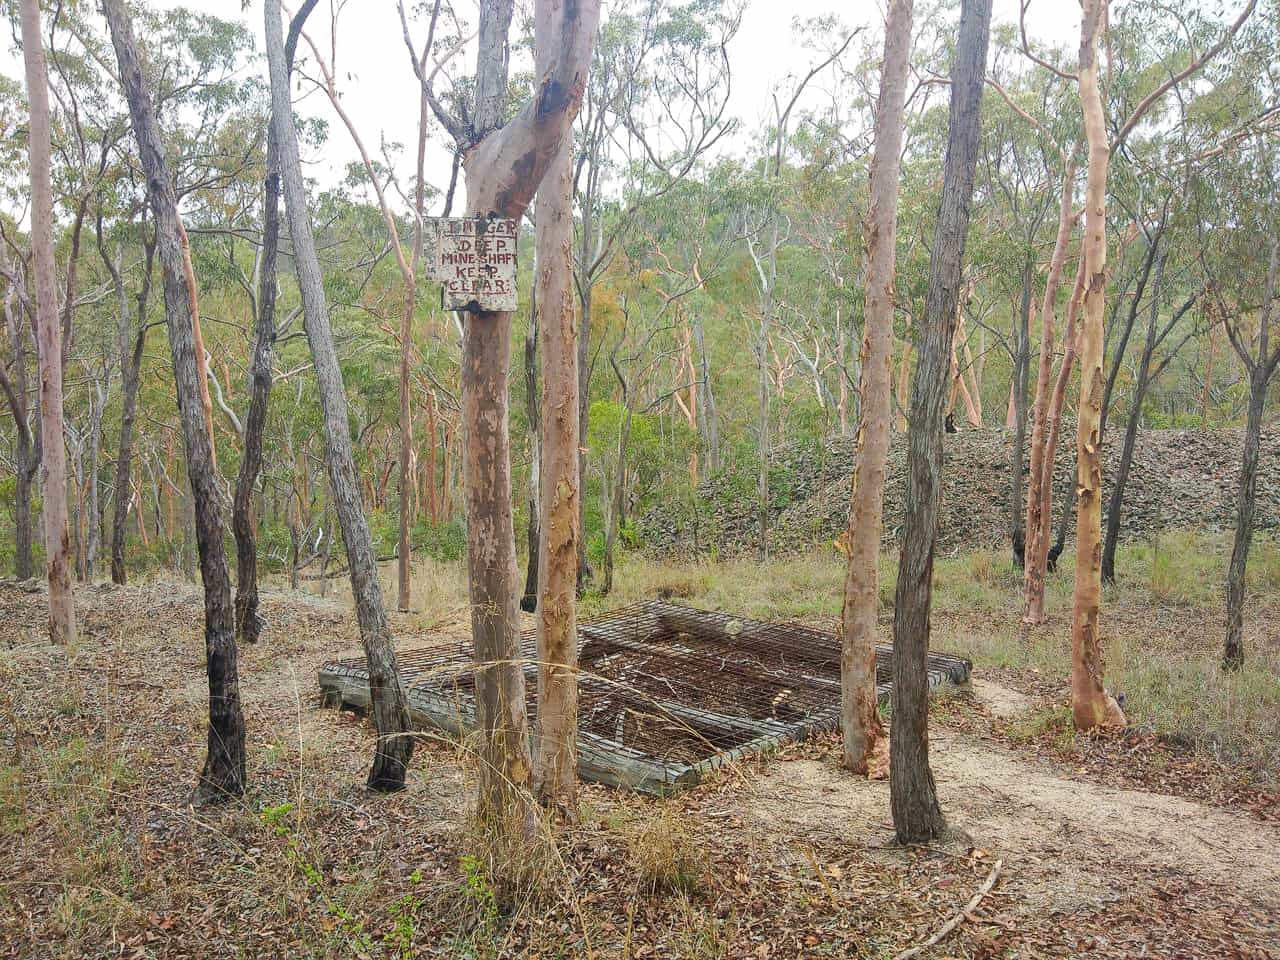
[
  {"x": 1038, "y": 556},
  {"x": 223, "y": 775},
  {"x": 1037, "y": 504},
  {"x": 859, "y": 718},
  {"x": 1260, "y": 371},
  {"x": 556, "y": 763},
  {"x": 504, "y": 165},
  {"x": 131, "y": 343},
  {"x": 533, "y": 414},
  {"x": 390, "y": 714},
  {"x": 244, "y": 522},
  {"x": 913, "y": 798},
  {"x": 1018, "y": 412},
  {"x": 1092, "y": 706},
  {"x": 27, "y": 452},
  {"x": 57, "y": 540}
]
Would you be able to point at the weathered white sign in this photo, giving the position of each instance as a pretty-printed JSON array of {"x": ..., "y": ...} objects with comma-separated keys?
[{"x": 474, "y": 258}]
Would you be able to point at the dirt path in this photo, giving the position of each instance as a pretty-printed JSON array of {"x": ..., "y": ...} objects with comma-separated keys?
[{"x": 1068, "y": 844}]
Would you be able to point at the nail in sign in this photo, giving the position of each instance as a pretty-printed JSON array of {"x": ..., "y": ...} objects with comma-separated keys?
[{"x": 474, "y": 258}]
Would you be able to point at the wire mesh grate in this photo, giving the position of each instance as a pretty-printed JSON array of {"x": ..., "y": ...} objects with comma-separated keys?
[{"x": 666, "y": 692}]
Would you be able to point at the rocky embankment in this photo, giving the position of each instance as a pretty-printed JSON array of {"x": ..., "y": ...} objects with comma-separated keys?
[{"x": 1179, "y": 479}]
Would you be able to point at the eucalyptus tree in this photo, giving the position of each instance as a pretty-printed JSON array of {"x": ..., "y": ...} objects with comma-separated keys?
[
  {"x": 859, "y": 714},
  {"x": 765, "y": 232},
  {"x": 394, "y": 747},
  {"x": 913, "y": 797},
  {"x": 223, "y": 775},
  {"x": 49, "y": 334},
  {"x": 506, "y": 157},
  {"x": 1092, "y": 706},
  {"x": 656, "y": 103}
]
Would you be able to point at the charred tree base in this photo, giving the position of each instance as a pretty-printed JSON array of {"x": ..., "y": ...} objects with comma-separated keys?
[{"x": 390, "y": 765}]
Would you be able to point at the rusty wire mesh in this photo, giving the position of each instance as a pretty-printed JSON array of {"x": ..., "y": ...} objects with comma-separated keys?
[{"x": 666, "y": 684}]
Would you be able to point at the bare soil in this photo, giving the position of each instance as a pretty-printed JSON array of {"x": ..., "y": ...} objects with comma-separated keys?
[{"x": 100, "y": 855}]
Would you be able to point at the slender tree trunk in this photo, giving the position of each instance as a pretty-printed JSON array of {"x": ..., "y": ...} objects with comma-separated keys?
[
  {"x": 131, "y": 346},
  {"x": 529, "y": 602},
  {"x": 23, "y": 525},
  {"x": 62, "y": 611},
  {"x": 708, "y": 421},
  {"x": 1207, "y": 392},
  {"x": 223, "y": 775},
  {"x": 556, "y": 762},
  {"x": 93, "y": 539},
  {"x": 1115, "y": 504},
  {"x": 1038, "y": 557},
  {"x": 1036, "y": 503},
  {"x": 916, "y": 816},
  {"x": 404, "y": 554},
  {"x": 1092, "y": 706},
  {"x": 503, "y": 171},
  {"x": 244, "y": 522},
  {"x": 584, "y": 403},
  {"x": 1018, "y": 402},
  {"x": 859, "y": 718},
  {"x": 1246, "y": 500},
  {"x": 904, "y": 382},
  {"x": 390, "y": 714},
  {"x": 26, "y": 451}
]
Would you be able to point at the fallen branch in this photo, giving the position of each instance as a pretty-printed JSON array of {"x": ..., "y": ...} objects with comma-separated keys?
[{"x": 954, "y": 922}]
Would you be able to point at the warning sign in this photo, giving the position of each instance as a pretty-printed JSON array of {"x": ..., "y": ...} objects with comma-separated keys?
[{"x": 474, "y": 258}]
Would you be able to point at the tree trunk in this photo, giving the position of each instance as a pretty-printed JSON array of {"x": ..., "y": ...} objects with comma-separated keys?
[
  {"x": 390, "y": 714},
  {"x": 556, "y": 763},
  {"x": 1246, "y": 500},
  {"x": 244, "y": 522},
  {"x": 131, "y": 346},
  {"x": 708, "y": 422},
  {"x": 27, "y": 454},
  {"x": 916, "y": 816},
  {"x": 503, "y": 170},
  {"x": 1092, "y": 706},
  {"x": 1039, "y": 557},
  {"x": 62, "y": 612},
  {"x": 1018, "y": 403},
  {"x": 529, "y": 602},
  {"x": 859, "y": 717},
  {"x": 23, "y": 526},
  {"x": 223, "y": 775},
  {"x": 97, "y": 404},
  {"x": 1036, "y": 502},
  {"x": 584, "y": 404},
  {"x": 1116, "y": 503}
]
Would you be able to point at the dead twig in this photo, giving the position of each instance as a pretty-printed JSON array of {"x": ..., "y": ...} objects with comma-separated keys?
[{"x": 955, "y": 921}]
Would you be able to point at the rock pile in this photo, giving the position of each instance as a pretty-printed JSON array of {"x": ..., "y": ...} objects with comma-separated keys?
[{"x": 1179, "y": 479}]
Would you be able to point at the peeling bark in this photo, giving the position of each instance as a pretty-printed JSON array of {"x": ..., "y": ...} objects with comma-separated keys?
[
  {"x": 859, "y": 717},
  {"x": 1092, "y": 706},
  {"x": 49, "y": 335}
]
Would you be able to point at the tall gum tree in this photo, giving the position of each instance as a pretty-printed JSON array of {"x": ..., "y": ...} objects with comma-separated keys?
[
  {"x": 223, "y": 776},
  {"x": 912, "y": 794},
  {"x": 859, "y": 717},
  {"x": 555, "y": 769},
  {"x": 57, "y": 537},
  {"x": 390, "y": 714},
  {"x": 504, "y": 164},
  {"x": 1092, "y": 706}
]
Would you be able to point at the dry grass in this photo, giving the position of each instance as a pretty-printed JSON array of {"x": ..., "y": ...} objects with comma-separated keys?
[
  {"x": 662, "y": 851},
  {"x": 99, "y": 746},
  {"x": 1162, "y": 622}
]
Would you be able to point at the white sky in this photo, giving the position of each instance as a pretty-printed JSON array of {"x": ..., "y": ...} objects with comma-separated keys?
[{"x": 380, "y": 92}]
